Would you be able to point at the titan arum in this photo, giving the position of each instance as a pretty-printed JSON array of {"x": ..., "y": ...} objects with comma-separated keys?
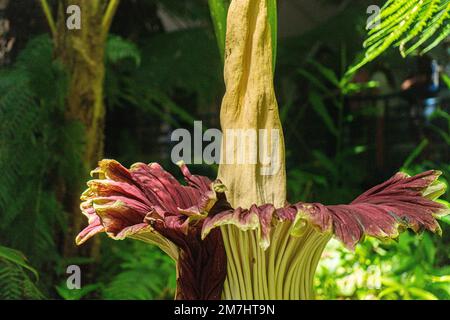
[{"x": 237, "y": 237}]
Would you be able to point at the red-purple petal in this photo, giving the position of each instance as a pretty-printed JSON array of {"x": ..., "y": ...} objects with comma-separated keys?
[
  {"x": 380, "y": 212},
  {"x": 148, "y": 200}
]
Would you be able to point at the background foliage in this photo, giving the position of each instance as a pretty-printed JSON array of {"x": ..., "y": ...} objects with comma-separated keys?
[{"x": 159, "y": 79}]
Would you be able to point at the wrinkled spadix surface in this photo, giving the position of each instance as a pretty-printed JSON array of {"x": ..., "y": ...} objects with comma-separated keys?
[
  {"x": 249, "y": 104},
  {"x": 147, "y": 203}
]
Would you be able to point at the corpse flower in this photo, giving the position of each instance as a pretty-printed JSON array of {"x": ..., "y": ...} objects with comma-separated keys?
[
  {"x": 237, "y": 237},
  {"x": 147, "y": 203}
]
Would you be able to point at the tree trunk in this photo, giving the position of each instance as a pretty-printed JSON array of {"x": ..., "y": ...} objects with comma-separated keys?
[{"x": 82, "y": 53}]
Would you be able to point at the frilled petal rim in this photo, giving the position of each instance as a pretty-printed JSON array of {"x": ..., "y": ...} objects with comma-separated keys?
[
  {"x": 122, "y": 202},
  {"x": 400, "y": 203}
]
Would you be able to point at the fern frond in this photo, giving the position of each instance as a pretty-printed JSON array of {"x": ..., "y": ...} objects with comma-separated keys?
[
  {"x": 31, "y": 134},
  {"x": 433, "y": 27},
  {"x": 444, "y": 34},
  {"x": 145, "y": 273},
  {"x": 426, "y": 13},
  {"x": 401, "y": 22},
  {"x": 15, "y": 283},
  {"x": 398, "y": 28},
  {"x": 10, "y": 281},
  {"x": 389, "y": 23}
]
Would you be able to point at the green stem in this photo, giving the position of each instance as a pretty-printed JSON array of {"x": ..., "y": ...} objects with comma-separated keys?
[
  {"x": 293, "y": 270},
  {"x": 108, "y": 16},
  {"x": 244, "y": 248},
  {"x": 49, "y": 17}
]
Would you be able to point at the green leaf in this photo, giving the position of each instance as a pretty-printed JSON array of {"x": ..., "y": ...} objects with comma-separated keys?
[
  {"x": 429, "y": 248},
  {"x": 442, "y": 133},
  {"x": 445, "y": 219},
  {"x": 387, "y": 292},
  {"x": 320, "y": 108},
  {"x": 76, "y": 294},
  {"x": 218, "y": 10},
  {"x": 441, "y": 279},
  {"x": 118, "y": 49},
  {"x": 327, "y": 73},
  {"x": 422, "y": 294},
  {"x": 446, "y": 80},
  {"x": 313, "y": 79},
  {"x": 415, "y": 153},
  {"x": 326, "y": 162},
  {"x": 18, "y": 258}
]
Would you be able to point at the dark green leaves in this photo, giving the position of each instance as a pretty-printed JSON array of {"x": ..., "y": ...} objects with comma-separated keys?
[
  {"x": 320, "y": 108},
  {"x": 118, "y": 49},
  {"x": 15, "y": 281}
]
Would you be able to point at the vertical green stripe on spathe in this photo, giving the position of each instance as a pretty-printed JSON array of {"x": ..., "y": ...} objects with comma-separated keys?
[
  {"x": 218, "y": 10},
  {"x": 273, "y": 21}
]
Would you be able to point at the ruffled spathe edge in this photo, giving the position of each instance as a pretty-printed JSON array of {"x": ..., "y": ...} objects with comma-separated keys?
[{"x": 383, "y": 212}]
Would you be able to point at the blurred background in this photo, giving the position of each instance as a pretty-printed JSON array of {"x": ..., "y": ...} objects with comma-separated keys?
[{"x": 163, "y": 70}]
